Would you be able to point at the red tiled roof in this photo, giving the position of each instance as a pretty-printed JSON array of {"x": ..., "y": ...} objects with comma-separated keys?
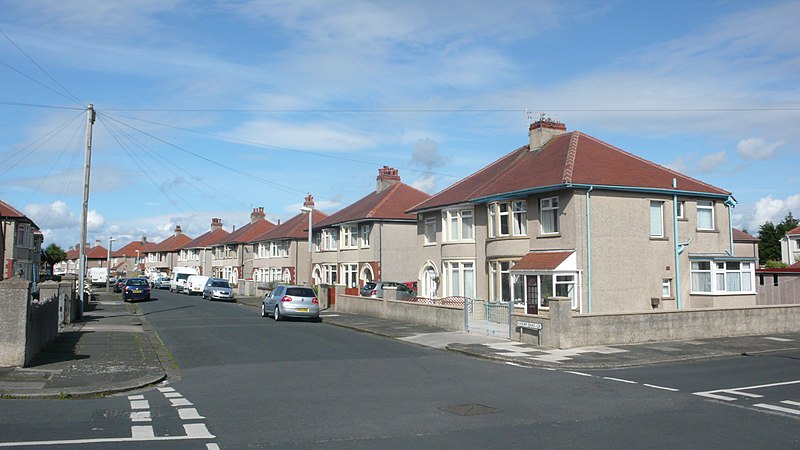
[
  {"x": 389, "y": 204},
  {"x": 794, "y": 231},
  {"x": 7, "y": 210},
  {"x": 129, "y": 249},
  {"x": 795, "y": 266},
  {"x": 208, "y": 239},
  {"x": 172, "y": 243},
  {"x": 541, "y": 261},
  {"x": 741, "y": 236},
  {"x": 150, "y": 247},
  {"x": 97, "y": 252},
  {"x": 296, "y": 227},
  {"x": 248, "y": 232},
  {"x": 569, "y": 158}
]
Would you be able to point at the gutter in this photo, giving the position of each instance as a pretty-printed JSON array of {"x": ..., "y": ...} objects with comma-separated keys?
[{"x": 556, "y": 187}]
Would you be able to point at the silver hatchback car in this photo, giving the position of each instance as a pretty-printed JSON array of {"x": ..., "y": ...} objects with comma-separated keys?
[
  {"x": 218, "y": 289},
  {"x": 291, "y": 301}
]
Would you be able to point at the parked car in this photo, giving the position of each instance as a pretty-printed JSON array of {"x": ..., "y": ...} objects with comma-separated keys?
[
  {"x": 136, "y": 289},
  {"x": 374, "y": 289},
  {"x": 162, "y": 283},
  {"x": 291, "y": 301},
  {"x": 119, "y": 284},
  {"x": 195, "y": 284},
  {"x": 218, "y": 289}
]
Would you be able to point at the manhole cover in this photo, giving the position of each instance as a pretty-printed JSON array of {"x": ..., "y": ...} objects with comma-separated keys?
[{"x": 471, "y": 409}]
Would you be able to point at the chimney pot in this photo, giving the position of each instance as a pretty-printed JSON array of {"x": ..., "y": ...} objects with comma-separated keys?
[
  {"x": 387, "y": 177},
  {"x": 541, "y": 131}
]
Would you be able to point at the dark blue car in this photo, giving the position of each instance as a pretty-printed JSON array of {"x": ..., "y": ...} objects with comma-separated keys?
[{"x": 136, "y": 289}]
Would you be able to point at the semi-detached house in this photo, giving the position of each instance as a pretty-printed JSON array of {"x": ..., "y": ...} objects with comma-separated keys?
[
  {"x": 371, "y": 239},
  {"x": 197, "y": 253},
  {"x": 21, "y": 241},
  {"x": 233, "y": 256},
  {"x": 572, "y": 216},
  {"x": 163, "y": 257},
  {"x": 281, "y": 255}
]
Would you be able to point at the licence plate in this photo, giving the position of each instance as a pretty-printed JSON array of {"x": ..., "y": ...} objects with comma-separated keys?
[
  {"x": 302, "y": 309},
  {"x": 137, "y": 291}
]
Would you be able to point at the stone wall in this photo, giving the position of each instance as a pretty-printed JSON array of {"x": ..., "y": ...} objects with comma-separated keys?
[{"x": 26, "y": 324}]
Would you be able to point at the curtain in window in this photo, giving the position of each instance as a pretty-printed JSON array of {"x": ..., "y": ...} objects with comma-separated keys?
[
  {"x": 701, "y": 281},
  {"x": 656, "y": 219}
]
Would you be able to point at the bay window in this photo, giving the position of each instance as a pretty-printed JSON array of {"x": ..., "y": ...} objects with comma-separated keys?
[
  {"x": 722, "y": 277},
  {"x": 349, "y": 275},
  {"x": 504, "y": 286},
  {"x": 459, "y": 278},
  {"x": 507, "y": 218}
]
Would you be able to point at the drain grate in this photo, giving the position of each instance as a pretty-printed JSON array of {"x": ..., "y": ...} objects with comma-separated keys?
[{"x": 470, "y": 409}]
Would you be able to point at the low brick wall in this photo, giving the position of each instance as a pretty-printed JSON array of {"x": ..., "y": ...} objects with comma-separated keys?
[
  {"x": 447, "y": 317},
  {"x": 562, "y": 329}
]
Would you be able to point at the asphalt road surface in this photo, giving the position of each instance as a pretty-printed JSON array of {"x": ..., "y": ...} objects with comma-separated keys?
[{"x": 250, "y": 382}]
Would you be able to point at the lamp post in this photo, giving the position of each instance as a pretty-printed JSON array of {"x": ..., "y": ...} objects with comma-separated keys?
[
  {"x": 137, "y": 261},
  {"x": 310, "y": 211},
  {"x": 108, "y": 263}
]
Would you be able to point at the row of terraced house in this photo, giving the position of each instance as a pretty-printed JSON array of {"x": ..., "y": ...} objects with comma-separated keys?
[{"x": 565, "y": 215}]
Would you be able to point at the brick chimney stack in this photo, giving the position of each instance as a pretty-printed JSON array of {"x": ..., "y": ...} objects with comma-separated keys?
[
  {"x": 257, "y": 214},
  {"x": 542, "y": 131},
  {"x": 387, "y": 177},
  {"x": 216, "y": 224},
  {"x": 309, "y": 203},
  {"x": 178, "y": 230}
]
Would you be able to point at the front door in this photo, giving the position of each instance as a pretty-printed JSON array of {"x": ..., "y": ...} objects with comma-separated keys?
[{"x": 532, "y": 297}]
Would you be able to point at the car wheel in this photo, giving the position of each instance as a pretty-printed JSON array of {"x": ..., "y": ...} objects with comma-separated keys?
[
  {"x": 263, "y": 310},
  {"x": 147, "y": 299},
  {"x": 277, "y": 314}
]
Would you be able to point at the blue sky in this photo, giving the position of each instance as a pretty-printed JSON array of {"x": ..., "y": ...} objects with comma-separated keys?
[{"x": 211, "y": 108}]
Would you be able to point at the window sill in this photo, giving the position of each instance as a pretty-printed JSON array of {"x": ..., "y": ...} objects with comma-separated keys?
[
  {"x": 706, "y": 231},
  {"x": 659, "y": 238},
  {"x": 549, "y": 236},
  {"x": 720, "y": 294},
  {"x": 430, "y": 244},
  {"x": 507, "y": 238}
]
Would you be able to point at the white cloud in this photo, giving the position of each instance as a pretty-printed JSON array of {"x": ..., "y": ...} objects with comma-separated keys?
[
  {"x": 94, "y": 221},
  {"x": 54, "y": 216},
  {"x": 711, "y": 162},
  {"x": 757, "y": 148},
  {"x": 426, "y": 154},
  {"x": 425, "y": 183},
  {"x": 303, "y": 136},
  {"x": 769, "y": 209}
]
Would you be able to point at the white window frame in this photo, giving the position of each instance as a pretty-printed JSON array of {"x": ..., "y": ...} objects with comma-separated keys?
[
  {"x": 366, "y": 230},
  {"x": 707, "y": 207},
  {"x": 349, "y": 234},
  {"x": 681, "y": 208},
  {"x": 329, "y": 273},
  {"x": 329, "y": 239},
  {"x": 430, "y": 231},
  {"x": 666, "y": 287},
  {"x": 515, "y": 288},
  {"x": 349, "y": 274},
  {"x": 717, "y": 277},
  {"x": 568, "y": 279},
  {"x": 455, "y": 273},
  {"x": 513, "y": 218},
  {"x": 458, "y": 225},
  {"x": 656, "y": 219},
  {"x": 549, "y": 207}
]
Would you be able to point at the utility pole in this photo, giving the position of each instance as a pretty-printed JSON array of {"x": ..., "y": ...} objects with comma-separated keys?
[{"x": 90, "y": 117}]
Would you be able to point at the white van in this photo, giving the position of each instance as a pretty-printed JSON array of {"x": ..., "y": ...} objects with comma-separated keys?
[
  {"x": 195, "y": 284},
  {"x": 97, "y": 275},
  {"x": 179, "y": 276}
]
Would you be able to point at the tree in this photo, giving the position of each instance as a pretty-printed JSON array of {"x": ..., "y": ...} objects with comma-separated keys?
[
  {"x": 770, "y": 235},
  {"x": 54, "y": 254}
]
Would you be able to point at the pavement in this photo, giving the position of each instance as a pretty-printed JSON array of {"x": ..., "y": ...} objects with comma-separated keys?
[{"x": 113, "y": 349}]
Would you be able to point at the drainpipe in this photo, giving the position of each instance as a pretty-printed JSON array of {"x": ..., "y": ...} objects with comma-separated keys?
[
  {"x": 730, "y": 203},
  {"x": 588, "y": 252},
  {"x": 677, "y": 250}
]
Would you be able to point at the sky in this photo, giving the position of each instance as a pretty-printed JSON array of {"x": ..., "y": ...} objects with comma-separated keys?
[{"x": 208, "y": 109}]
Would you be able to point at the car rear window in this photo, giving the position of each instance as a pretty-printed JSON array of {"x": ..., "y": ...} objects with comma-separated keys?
[
  {"x": 136, "y": 282},
  {"x": 301, "y": 292},
  {"x": 369, "y": 285}
]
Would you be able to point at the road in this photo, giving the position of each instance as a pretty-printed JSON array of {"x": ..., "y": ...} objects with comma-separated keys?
[{"x": 250, "y": 382}]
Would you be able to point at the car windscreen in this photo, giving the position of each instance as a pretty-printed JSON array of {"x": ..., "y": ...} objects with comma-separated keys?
[
  {"x": 220, "y": 284},
  {"x": 136, "y": 282},
  {"x": 301, "y": 292}
]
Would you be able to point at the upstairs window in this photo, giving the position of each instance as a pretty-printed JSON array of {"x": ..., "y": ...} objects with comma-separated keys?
[
  {"x": 705, "y": 215},
  {"x": 680, "y": 206},
  {"x": 548, "y": 213},
  {"x": 366, "y": 230},
  {"x": 329, "y": 239},
  {"x": 459, "y": 225},
  {"x": 507, "y": 218},
  {"x": 656, "y": 219},
  {"x": 349, "y": 236},
  {"x": 430, "y": 230}
]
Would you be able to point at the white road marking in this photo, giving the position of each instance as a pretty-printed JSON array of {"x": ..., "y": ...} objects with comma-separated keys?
[
  {"x": 142, "y": 432},
  {"x": 136, "y": 397},
  {"x": 778, "y": 408},
  {"x": 140, "y": 404},
  {"x": 189, "y": 414},
  {"x": 166, "y": 389},
  {"x": 515, "y": 364},
  {"x": 99, "y": 441},
  {"x": 789, "y": 402},
  {"x": 180, "y": 402},
  {"x": 140, "y": 416},
  {"x": 172, "y": 394},
  {"x": 212, "y": 446},
  {"x": 197, "y": 431},
  {"x": 779, "y": 339},
  {"x": 620, "y": 380},
  {"x": 661, "y": 387},
  {"x": 578, "y": 373},
  {"x": 739, "y": 391}
]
